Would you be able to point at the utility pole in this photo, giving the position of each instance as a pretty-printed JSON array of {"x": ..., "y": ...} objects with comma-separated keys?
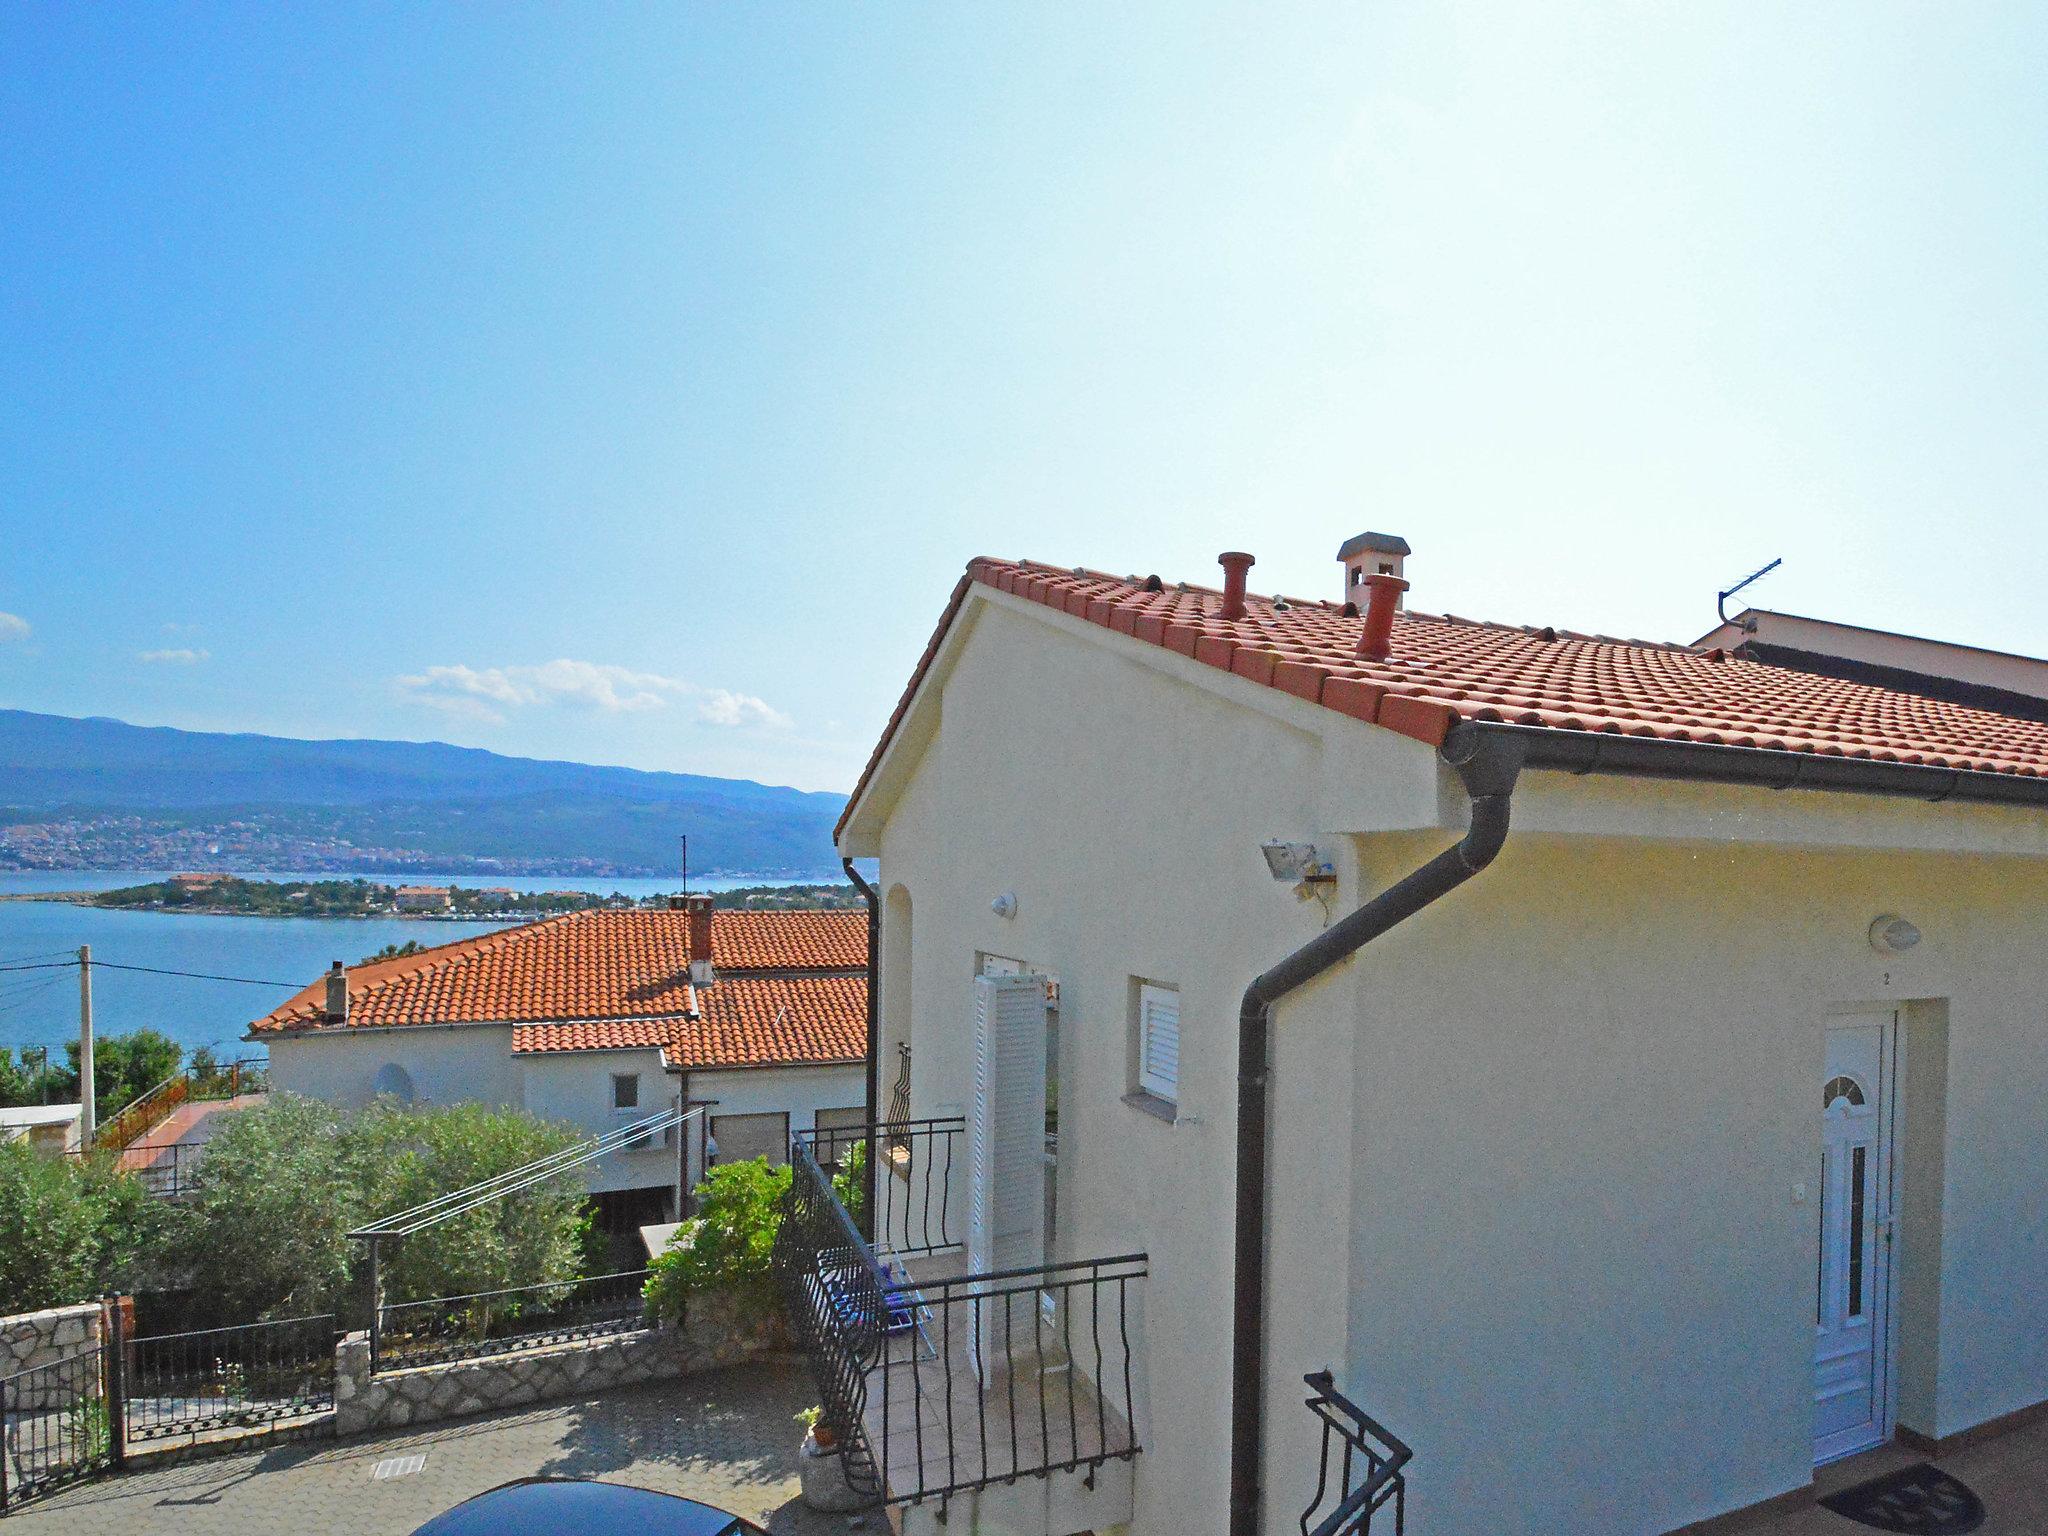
[{"x": 86, "y": 1125}]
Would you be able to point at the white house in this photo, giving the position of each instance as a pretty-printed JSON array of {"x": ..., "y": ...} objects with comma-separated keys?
[
  {"x": 1621, "y": 1065},
  {"x": 54, "y": 1128},
  {"x": 602, "y": 1018}
]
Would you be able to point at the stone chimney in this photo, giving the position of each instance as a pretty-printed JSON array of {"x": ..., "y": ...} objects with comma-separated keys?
[
  {"x": 1370, "y": 554},
  {"x": 701, "y": 972},
  {"x": 337, "y": 993}
]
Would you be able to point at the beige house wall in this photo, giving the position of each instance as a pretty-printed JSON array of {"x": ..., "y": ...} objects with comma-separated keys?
[{"x": 1535, "y": 1151}]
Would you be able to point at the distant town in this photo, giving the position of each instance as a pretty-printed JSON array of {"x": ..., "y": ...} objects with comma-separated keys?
[
  {"x": 126, "y": 841},
  {"x": 232, "y": 895}
]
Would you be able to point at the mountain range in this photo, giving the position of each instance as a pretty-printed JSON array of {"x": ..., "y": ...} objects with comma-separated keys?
[{"x": 364, "y": 804}]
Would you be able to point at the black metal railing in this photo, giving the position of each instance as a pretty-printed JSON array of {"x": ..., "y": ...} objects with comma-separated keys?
[
  {"x": 56, "y": 1426},
  {"x": 918, "y": 1210},
  {"x": 412, "y": 1333},
  {"x": 249, "y": 1376},
  {"x": 988, "y": 1378},
  {"x": 934, "y": 1385},
  {"x": 899, "y": 1096},
  {"x": 1361, "y": 1469},
  {"x": 166, "y": 1172}
]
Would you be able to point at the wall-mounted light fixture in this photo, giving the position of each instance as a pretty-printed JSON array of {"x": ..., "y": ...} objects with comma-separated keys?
[
  {"x": 1296, "y": 863},
  {"x": 1892, "y": 935},
  {"x": 1004, "y": 905}
]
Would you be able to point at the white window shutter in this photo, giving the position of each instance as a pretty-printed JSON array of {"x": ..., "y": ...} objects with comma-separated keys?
[
  {"x": 1159, "y": 1042},
  {"x": 1006, "y": 1131}
]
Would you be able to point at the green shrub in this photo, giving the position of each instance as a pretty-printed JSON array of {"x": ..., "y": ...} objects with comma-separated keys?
[
  {"x": 726, "y": 1245},
  {"x": 281, "y": 1185},
  {"x": 75, "y": 1228},
  {"x": 850, "y": 1183}
]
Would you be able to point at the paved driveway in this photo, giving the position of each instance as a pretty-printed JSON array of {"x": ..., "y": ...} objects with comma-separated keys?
[{"x": 725, "y": 1437}]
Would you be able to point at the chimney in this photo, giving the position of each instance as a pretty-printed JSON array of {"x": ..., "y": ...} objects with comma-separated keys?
[
  {"x": 1235, "y": 563},
  {"x": 1383, "y": 596},
  {"x": 1368, "y": 555},
  {"x": 699, "y": 908},
  {"x": 337, "y": 994}
]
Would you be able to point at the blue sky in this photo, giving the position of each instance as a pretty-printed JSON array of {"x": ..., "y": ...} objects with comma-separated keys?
[{"x": 630, "y": 384}]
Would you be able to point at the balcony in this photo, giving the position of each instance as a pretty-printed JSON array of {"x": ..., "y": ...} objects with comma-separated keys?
[{"x": 1012, "y": 1389}]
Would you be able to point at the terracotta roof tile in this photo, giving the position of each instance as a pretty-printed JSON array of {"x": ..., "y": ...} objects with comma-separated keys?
[
  {"x": 753, "y": 1021},
  {"x": 582, "y": 966},
  {"x": 1445, "y": 669}
]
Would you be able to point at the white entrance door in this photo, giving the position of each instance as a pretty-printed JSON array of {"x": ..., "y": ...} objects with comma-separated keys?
[{"x": 1850, "y": 1363}]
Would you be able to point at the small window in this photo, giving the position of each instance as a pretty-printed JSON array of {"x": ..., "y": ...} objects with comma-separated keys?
[
  {"x": 1841, "y": 1090},
  {"x": 1158, "y": 1044},
  {"x": 625, "y": 1090}
]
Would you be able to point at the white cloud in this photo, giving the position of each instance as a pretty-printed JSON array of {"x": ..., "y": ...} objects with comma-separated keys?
[
  {"x": 721, "y": 706},
  {"x": 489, "y": 693},
  {"x": 13, "y": 627},
  {"x": 174, "y": 658}
]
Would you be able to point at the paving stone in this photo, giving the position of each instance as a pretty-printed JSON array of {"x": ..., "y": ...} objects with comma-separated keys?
[{"x": 725, "y": 1436}]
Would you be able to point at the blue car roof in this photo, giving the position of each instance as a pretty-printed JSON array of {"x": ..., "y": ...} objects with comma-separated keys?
[{"x": 547, "y": 1506}]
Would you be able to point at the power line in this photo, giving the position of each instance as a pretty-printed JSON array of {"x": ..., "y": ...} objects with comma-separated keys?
[
  {"x": 48, "y": 954},
  {"x": 47, "y": 965},
  {"x": 151, "y": 970}
]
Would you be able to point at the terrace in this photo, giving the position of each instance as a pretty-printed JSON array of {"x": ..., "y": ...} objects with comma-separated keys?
[{"x": 1013, "y": 1388}]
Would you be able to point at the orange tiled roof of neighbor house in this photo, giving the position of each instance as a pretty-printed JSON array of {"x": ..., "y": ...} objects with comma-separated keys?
[
  {"x": 740, "y": 1021},
  {"x": 583, "y": 968},
  {"x": 1442, "y": 669}
]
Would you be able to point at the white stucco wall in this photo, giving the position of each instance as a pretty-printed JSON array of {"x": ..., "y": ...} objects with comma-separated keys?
[
  {"x": 1534, "y": 1152},
  {"x": 447, "y": 1065},
  {"x": 576, "y": 1087},
  {"x": 799, "y": 1092}
]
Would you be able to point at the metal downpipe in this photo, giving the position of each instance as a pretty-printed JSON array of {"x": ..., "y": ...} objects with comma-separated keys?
[
  {"x": 1487, "y": 765},
  {"x": 874, "y": 1058}
]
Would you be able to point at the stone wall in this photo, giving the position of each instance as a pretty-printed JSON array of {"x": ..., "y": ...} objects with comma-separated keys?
[
  {"x": 716, "y": 1334},
  {"x": 30, "y": 1339}
]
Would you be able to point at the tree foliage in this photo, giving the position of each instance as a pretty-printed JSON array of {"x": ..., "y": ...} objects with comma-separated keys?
[
  {"x": 726, "y": 1245},
  {"x": 124, "y": 1068},
  {"x": 75, "y": 1228},
  {"x": 282, "y": 1185}
]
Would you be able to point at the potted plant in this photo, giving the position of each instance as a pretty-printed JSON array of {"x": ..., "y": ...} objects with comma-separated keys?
[{"x": 821, "y": 1470}]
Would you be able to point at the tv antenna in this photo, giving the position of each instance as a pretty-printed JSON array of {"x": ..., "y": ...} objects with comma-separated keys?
[
  {"x": 685, "y": 841},
  {"x": 1721, "y": 598}
]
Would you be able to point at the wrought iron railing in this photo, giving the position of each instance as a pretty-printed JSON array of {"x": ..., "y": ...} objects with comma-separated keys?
[
  {"x": 917, "y": 1209},
  {"x": 411, "y": 1333},
  {"x": 934, "y": 1386},
  {"x": 249, "y": 1376},
  {"x": 151, "y": 1108},
  {"x": 899, "y": 1095},
  {"x": 167, "y": 1171},
  {"x": 56, "y": 1426},
  {"x": 1361, "y": 1470}
]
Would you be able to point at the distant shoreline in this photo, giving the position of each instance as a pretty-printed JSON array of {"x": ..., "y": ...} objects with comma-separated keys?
[{"x": 358, "y": 899}]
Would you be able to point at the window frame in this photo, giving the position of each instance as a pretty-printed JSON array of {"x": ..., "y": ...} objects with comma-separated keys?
[{"x": 625, "y": 1077}]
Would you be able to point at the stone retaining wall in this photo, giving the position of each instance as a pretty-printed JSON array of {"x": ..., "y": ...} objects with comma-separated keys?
[
  {"x": 30, "y": 1339},
  {"x": 716, "y": 1334}
]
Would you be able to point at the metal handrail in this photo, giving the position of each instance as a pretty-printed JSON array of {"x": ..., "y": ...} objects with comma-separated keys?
[
  {"x": 1370, "y": 1474},
  {"x": 1017, "y": 1372}
]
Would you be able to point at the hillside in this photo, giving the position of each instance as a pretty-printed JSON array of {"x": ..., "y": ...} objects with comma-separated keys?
[{"x": 102, "y": 793}]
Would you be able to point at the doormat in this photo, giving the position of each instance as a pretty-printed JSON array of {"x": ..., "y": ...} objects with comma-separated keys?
[{"x": 1921, "y": 1499}]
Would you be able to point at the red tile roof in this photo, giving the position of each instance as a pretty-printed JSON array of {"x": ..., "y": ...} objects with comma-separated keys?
[
  {"x": 1445, "y": 669},
  {"x": 608, "y": 980},
  {"x": 751, "y": 1021}
]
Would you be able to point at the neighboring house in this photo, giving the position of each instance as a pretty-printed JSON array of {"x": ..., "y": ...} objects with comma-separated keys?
[
  {"x": 1670, "y": 1120},
  {"x": 1962, "y": 674},
  {"x": 422, "y": 898},
  {"x": 52, "y": 1128},
  {"x": 603, "y": 1018}
]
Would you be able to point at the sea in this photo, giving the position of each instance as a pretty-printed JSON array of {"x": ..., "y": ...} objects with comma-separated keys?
[{"x": 269, "y": 958}]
